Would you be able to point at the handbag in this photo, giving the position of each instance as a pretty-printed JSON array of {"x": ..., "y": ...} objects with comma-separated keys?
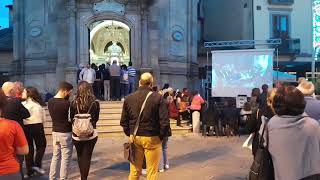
[
  {"x": 128, "y": 147},
  {"x": 248, "y": 142},
  {"x": 262, "y": 166}
]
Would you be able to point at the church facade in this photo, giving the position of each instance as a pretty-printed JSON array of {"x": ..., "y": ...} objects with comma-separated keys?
[{"x": 51, "y": 38}]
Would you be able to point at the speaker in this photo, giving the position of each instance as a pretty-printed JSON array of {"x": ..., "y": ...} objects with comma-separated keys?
[{"x": 202, "y": 73}]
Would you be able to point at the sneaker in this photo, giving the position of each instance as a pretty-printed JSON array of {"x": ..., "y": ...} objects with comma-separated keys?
[
  {"x": 161, "y": 170},
  {"x": 27, "y": 176},
  {"x": 166, "y": 166},
  {"x": 144, "y": 171},
  {"x": 39, "y": 170}
]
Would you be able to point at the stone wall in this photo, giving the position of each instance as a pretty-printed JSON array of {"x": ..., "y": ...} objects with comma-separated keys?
[
  {"x": 51, "y": 39},
  {"x": 5, "y": 61}
]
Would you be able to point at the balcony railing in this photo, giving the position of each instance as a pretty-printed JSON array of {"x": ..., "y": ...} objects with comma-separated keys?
[
  {"x": 281, "y": 2},
  {"x": 289, "y": 47}
]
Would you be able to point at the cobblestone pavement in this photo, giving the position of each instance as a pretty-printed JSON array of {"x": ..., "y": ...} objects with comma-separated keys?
[{"x": 191, "y": 157}]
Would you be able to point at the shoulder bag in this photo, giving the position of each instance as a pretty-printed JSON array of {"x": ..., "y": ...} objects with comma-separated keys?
[
  {"x": 129, "y": 148},
  {"x": 262, "y": 166}
]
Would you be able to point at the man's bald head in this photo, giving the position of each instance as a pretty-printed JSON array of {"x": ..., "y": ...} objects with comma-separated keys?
[
  {"x": 146, "y": 79},
  {"x": 8, "y": 88}
]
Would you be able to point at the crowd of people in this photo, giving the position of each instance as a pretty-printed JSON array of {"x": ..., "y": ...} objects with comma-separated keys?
[
  {"x": 109, "y": 82},
  {"x": 183, "y": 105},
  {"x": 291, "y": 115},
  {"x": 23, "y": 115},
  {"x": 21, "y": 127}
]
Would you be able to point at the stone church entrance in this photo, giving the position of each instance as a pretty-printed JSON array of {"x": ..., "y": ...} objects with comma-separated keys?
[
  {"x": 52, "y": 38},
  {"x": 109, "y": 41}
]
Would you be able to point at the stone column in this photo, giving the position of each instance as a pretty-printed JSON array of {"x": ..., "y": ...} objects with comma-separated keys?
[
  {"x": 18, "y": 40},
  {"x": 71, "y": 69},
  {"x": 145, "y": 59},
  {"x": 72, "y": 33}
]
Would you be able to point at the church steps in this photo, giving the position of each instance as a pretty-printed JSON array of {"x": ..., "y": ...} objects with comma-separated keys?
[
  {"x": 109, "y": 122},
  {"x": 103, "y": 116}
]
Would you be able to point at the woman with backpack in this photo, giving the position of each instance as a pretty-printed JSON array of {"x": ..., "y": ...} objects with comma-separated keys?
[
  {"x": 34, "y": 130},
  {"x": 84, "y": 114}
]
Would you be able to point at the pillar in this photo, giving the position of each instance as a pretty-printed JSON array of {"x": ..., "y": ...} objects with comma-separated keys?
[
  {"x": 72, "y": 33},
  {"x": 145, "y": 59}
]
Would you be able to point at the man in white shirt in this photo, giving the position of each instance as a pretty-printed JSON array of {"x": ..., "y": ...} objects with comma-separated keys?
[{"x": 88, "y": 74}]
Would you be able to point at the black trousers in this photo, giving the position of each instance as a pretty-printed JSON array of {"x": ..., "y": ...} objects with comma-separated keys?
[
  {"x": 20, "y": 159},
  {"x": 35, "y": 135},
  {"x": 115, "y": 87},
  {"x": 97, "y": 85},
  {"x": 84, "y": 154}
]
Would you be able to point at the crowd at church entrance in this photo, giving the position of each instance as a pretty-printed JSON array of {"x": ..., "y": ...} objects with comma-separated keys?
[
  {"x": 109, "y": 82},
  {"x": 74, "y": 124},
  {"x": 283, "y": 122}
]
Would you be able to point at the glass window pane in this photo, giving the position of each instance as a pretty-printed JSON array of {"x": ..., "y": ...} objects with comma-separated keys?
[{"x": 283, "y": 23}]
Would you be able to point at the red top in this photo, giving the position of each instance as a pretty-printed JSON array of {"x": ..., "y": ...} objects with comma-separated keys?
[
  {"x": 196, "y": 103},
  {"x": 11, "y": 137},
  {"x": 173, "y": 111}
]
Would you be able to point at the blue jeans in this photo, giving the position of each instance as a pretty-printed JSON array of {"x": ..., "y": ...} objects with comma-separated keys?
[
  {"x": 124, "y": 90},
  {"x": 132, "y": 83},
  {"x": 164, "y": 158},
  {"x": 61, "y": 157}
]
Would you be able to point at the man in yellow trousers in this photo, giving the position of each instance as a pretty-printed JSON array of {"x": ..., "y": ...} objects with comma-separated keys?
[{"x": 153, "y": 126}]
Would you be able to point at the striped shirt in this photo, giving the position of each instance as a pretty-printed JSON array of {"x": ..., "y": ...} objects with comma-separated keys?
[{"x": 131, "y": 71}]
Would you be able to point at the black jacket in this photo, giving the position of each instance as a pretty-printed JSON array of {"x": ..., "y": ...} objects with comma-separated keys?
[
  {"x": 253, "y": 125},
  {"x": 14, "y": 110},
  {"x": 105, "y": 74},
  {"x": 154, "y": 118}
]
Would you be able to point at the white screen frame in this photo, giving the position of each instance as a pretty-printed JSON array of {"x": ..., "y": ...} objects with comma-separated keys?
[{"x": 235, "y": 53}]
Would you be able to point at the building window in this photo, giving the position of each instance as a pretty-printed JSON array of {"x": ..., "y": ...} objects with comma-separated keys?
[{"x": 280, "y": 26}]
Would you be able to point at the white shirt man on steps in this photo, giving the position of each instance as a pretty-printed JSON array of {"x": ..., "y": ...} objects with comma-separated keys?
[{"x": 88, "y": 74}]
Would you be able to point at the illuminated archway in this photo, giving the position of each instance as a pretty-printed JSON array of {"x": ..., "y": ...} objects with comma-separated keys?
[{"x": 109, "y": 41}]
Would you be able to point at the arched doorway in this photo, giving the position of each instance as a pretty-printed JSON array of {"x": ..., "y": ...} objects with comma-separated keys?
[{"x": 109, "y": 41}]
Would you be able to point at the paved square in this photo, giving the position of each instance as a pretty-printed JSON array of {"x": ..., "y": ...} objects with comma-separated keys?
[{"x": 191, "y": 157}]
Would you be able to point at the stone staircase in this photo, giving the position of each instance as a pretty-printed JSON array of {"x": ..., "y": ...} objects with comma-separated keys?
[{"x": 109, "y": 122}]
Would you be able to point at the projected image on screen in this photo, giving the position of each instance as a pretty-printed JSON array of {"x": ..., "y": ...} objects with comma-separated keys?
[{"x": 238, "y": 72}]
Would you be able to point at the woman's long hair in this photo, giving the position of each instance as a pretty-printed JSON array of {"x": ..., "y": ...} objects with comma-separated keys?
[
  {"x": 34, "y": 94},
  {"x": 84, "y": 97}
]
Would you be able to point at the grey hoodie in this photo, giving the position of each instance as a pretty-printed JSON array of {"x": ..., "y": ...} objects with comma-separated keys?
[{"x": 294, "y": 144}]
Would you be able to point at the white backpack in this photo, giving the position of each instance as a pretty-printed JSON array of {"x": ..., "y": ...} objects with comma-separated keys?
[{"x": 82, "y": 126}]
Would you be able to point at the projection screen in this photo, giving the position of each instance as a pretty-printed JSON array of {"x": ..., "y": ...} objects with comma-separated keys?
[{"x": 237, "y": 72}]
